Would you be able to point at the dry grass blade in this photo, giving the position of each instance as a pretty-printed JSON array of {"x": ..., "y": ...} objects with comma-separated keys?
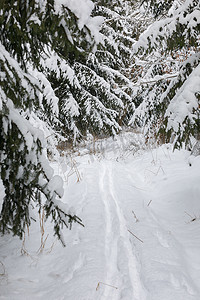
[
  {"x": 114, "y": 287},
  {"x": 136, "y": 219},
  {"x": 75, "y": 170},
  {"x": 51, "y": 248},
  {"x": 23, "y": 249},
  {"x": 193, "y": 218},
  {"x": 43, "y": 241},
  {"x": 4, "y": 269},
  {"x": 135, "y": 236}
]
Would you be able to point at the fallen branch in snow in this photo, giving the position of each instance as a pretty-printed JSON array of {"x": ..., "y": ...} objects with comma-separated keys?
[
  {"x": 114, "y": 287},
  {"x": 135, "y": 236},
  {"x": 149, "y": 203}
]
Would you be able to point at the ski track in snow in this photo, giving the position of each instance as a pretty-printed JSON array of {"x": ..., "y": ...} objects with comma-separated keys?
[{"x": 121, "y": 263}]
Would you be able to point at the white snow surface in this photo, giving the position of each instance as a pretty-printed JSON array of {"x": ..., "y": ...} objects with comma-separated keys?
[{"x": 141, "y": 212}]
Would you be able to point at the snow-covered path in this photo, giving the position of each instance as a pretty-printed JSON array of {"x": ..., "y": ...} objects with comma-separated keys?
[
  {"x": 140, "y": 241},
  {"x": 121, "y": 266}
]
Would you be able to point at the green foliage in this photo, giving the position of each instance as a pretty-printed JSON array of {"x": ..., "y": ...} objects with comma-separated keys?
[
  {"x": 20, "y": 180},
  {"x": 158, "y": 7},
  {"x": 26, "y": 31},
  {"x": 63, "y": 77}
]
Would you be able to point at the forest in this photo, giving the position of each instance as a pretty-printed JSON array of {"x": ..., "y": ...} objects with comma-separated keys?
[{"x": 101, "y": 79}]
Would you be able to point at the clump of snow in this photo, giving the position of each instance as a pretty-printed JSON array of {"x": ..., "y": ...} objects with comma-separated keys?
[
  {"x": 82, "y": 9},
  {"x": 94, "y": 24},
  {"x": 56, "y": 184}
]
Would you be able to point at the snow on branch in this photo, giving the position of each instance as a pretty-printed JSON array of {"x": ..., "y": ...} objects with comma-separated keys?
[
  {"x": 160, "y": 31},
  {"x": 82, "y": 10},
  {"x": 185, "y": 101}
]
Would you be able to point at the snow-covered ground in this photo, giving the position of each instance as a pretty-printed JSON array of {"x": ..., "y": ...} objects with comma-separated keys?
[{"x": 141, "y": 240}]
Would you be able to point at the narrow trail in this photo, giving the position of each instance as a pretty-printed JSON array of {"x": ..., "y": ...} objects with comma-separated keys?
[
  {"x": 122, "y": 269},
  {"x": 103, "y": 261},
  {"x": 167, "y": 266}
]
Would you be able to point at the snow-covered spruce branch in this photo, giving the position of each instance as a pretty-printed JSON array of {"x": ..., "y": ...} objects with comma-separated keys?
[
  {"x": 154, "y": 81},
  {"x": 186, "y": 16}
]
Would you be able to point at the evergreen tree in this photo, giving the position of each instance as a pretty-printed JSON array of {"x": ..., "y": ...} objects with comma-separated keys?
[
  {"x": 101, "y": 94},
  {"x": 113, "y": 54},
  {"x": 168, "y": 93},
  {"x": 91, "y": 85},
  {"x": 29, "y": 32},
  {"x": 58, "y": 74}
]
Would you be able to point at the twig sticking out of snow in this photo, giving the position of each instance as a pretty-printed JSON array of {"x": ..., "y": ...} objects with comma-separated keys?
[
  {"x": 43, "y": 241},
  {"x": 193, "y": 218},
  {"x": 23, "y": 249},
  {"x": 136, "y": 219},
  {"x": 149, "y": 203},
  {"x": 135, "y": 236},
  {"x": 4, "y": 269},
  {"x": 74, "y": 169},
  {"x": 114, "y": 287}
]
